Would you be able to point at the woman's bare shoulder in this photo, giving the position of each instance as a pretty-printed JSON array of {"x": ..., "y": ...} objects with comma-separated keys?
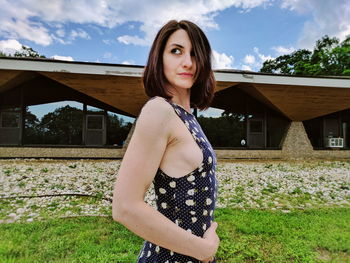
[
  {"x": 155, "y": 117},
  {"x": 156, "y": 108}
]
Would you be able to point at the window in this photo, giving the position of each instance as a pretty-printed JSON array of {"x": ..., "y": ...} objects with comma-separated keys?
[
  {"x": 223, "y": 128},
  {"x": 256, "y": 126},
  {"x": 95, "y": 122},
  {"x": 334, "y": 125},
  {"x": 118, "y": 128},
  {"x": 10, "y": 119}
]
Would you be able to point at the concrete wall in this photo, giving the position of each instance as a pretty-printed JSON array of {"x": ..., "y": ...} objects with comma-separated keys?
[{"x": 296, "y": 145}]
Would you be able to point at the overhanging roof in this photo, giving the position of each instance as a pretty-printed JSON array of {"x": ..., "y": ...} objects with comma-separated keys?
[{"x": 298, "y": 98}]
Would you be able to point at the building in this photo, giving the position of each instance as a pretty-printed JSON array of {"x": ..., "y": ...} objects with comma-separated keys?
[{"x": 263, "y": 115}]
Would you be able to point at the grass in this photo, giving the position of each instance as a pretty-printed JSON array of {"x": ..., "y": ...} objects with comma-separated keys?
[{"x": 246, "y": 236}]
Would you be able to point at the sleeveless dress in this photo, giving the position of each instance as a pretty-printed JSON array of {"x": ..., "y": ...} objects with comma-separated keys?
[{"x": 188, "y": 201}]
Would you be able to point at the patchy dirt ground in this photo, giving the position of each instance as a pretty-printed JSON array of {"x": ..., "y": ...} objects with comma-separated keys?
[{"x": 38, "y": 189}]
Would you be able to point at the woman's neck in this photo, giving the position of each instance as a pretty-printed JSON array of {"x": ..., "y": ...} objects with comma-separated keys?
[{"x": 182, "y": 98}]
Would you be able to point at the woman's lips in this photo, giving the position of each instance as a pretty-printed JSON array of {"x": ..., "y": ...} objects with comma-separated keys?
[{"x": 186, "y": 74}]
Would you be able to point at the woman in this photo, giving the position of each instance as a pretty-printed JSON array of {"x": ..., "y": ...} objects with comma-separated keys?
[{"x": 169, "y": 148}]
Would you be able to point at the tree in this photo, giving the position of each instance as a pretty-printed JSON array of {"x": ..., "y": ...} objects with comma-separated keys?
[
  {"x": 32, "y": 131},
  {"x": 329, "y": 57},
  {"x": 27, "y": 52},
  {"x": 63, "y": 126},
  {"x": 225, "y": 131},
  {"x": 117, "y": 130}
]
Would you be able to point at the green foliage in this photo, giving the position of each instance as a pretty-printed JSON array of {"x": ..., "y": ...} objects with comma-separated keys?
[
  {"x": 118, "y": 130},
  {"x": 26, "y": 52},
  {"x": 32, "y": 130},
  {"x": 329, "y": 57},
  {"x": 225, "y": 131},
  {"x": 64, "y": 126}
]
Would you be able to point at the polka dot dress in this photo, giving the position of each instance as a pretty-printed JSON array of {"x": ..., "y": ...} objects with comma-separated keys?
[{"x": 188, "y": 201}]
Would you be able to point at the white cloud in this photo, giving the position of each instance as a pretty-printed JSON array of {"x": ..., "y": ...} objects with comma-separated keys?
[
  {"x": 135, "y": 40},
  {"x": 246, "y": 67},
  {"x": 261, "y": 56},
  {"x": 280, "y": 50},
  {"x": 249, "y": 59},
  {"x": 107, "y": 41},
  {"x": 66, "y": 58},
  {"x": 79, "y": 33},
  {"x": 107, "y": 55},
  {"x": 254, "y": 62},
  {"x": 10, "y": 46},
  {"x": 222, "y": 61},
  {"x": 19, "y": 19},
  {"x": 60, "y": 32},
  {"x": 156, "y": 13},
  {"x": 30, "y": 31},
  {"x": 211, "y": 112},
  {"x": 128, "y": 62},
  {"x": 329, "y": 18}
]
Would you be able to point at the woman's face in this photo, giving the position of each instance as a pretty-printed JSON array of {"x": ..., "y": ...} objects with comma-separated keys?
[{"x": 179, "y": 65}]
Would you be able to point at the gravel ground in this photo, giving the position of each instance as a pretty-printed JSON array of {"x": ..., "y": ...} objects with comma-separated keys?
[{"x": 39, "y": 189}]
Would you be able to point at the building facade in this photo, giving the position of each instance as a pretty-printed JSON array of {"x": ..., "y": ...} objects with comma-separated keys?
[{"x": 253, "y": 115}]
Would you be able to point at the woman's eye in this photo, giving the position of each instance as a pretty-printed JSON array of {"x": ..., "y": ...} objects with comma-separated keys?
[{"x": 176, "y": 51}]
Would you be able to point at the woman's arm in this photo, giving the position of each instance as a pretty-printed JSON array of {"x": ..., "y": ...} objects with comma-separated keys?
[{"x": 138, "y": 168}]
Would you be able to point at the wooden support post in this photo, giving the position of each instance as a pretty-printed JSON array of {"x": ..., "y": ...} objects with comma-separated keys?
[
  {"x": 84, "y": 124},
  {"x": 22, "y": 116}
]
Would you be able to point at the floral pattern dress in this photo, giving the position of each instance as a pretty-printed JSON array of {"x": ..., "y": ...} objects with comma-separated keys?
[{"x": 188, "y": 201}]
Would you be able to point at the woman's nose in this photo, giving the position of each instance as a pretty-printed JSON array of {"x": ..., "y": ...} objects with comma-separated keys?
[{"x": 187, "y": 60}]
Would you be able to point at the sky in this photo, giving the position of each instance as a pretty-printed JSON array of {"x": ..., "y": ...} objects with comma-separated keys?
[{"x": 242, "y": 33}]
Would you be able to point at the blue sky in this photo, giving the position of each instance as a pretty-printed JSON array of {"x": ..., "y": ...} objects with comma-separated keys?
[{"x": 242, "y": 33}]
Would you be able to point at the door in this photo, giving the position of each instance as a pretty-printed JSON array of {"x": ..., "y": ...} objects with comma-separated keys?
[
  {"x": 256, "y": 134},
  {"x": 95, "y": 130},
  {"x": 10, "y": 127}
]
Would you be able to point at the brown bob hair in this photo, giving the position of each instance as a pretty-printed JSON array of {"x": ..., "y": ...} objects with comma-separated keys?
[{"x": 154, "y": 80}]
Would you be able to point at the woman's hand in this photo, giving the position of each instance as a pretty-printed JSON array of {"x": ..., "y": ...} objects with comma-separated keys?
[{"x": 213, "y": 241}]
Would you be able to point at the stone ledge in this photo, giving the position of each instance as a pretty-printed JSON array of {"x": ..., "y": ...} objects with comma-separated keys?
[
  {"x": 43, "y": 152},
  {"x": 110, "y": 153},
  {"x": 248, "y": 154}
]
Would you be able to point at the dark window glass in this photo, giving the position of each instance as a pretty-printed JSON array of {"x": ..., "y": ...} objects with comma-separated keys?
[
  {"x": 331, "y": 125},
  {"x": 240, "y": 111},
  {"x": 335, "y": 125},
  {"x": 223, "y": 128},
  {"x": 95, "y": 122},
  {"x": 256, "y": 126},
  {"x": 277, "y": 127},
  {"x": 33, "y": 132},
  {"x": 91, "y": 109},
  {"x": 61, "y": 126},
  {"x": 118, "y": 128},
  {"x": 345, "y": 126},
  {"x": 10, "y": 119},
  {"x": 313, "y": 129},
  {"x": 10, "y": 126}
]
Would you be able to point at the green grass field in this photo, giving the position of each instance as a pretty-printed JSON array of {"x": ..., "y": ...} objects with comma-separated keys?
[{"x": 315, "y": 235}]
